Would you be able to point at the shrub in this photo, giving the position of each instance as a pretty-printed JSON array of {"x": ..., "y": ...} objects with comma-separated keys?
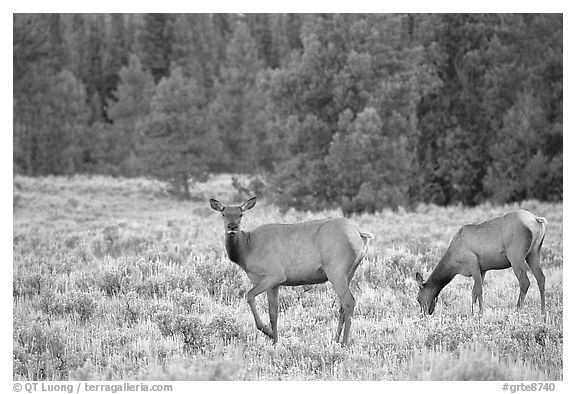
[
  {"x": 38, "y": 338},
  {"x": 86, "y": 282},
  {"x": 223, "y": 281},
  {"x": 419, "y": 245},
  {"x": 154, "y": 287},
  {"x": 28, "y": 285},
  {"x": 188, "y": 302},
  {"x": 316, "y": 358},
  {"x": 132, "y": 308},
  {"x": 39, "y": 351},
  {"x": 46, "y": 302},
  {"x": 18, "y": 201},
  {"x": 253, "y": 186},
  {"x": 130, "y": 245},
  {"x": 197, "y": 368},
  {"x": 447, "y": 338},
  {"x": 225, "y": 327},
  {"x": 113, "y": 243},
  {"x": 73, "y": 203},
  {"x": 72, "y": 242},
  {"x": 111, "y": 283},
  {"x": 79, "y": 303},
  {"x": 372, "y": 272},
  {"x": 20, "y": 360},
  {"x": 471, "y": 364},
  {"x": 189, "y": 328},
  {"x": 85, "y": 372},
  {"x": 73, "y": 302}
]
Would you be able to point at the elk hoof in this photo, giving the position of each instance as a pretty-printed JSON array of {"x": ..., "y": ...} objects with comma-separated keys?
[{"x": 266, "y": 330}]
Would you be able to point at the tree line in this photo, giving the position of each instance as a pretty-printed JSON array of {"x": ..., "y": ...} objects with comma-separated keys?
[{"x": 357, "y": 111}]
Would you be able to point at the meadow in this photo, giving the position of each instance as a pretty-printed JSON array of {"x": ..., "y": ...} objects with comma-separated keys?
[{"x": 115, "y": 280}]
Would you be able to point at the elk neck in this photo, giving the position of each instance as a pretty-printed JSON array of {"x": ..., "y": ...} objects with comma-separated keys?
[
  {"x": 237, "y": 245},
  {"x": 442, "y": 275}
]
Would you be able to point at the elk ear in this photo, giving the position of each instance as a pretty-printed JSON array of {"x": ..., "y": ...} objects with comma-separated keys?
[
  {"x": 419, "y": 279},
  {"x": 248, "y": 204},
  {"x": 216, "y": 205}
]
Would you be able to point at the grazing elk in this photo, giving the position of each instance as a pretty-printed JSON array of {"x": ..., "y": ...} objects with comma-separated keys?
[
  {"x": 312, "y": 252},
  {"x": 512, "y": 240}
]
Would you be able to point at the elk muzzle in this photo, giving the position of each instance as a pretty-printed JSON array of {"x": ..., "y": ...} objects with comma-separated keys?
[{"x": 231, "y": 229}]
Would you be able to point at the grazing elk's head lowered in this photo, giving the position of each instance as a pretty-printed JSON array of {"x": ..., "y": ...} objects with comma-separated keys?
[
  {"x": 312, "y": 252},
  {"x": 512, "y": 240},
  {"x": 426, "y": 296}
]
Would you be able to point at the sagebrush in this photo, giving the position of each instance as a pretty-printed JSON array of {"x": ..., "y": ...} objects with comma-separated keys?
[{"x": 113, "y": 279}]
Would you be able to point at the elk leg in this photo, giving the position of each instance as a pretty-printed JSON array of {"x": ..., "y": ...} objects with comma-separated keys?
[
  {"x": 266, "y": 284},
  {"x": 520, "y": 272},
  {"x": 533, "y": 260},
  {"x": 347, "y": 303},
  {"x": 477, "y": 289},
  {"x": 340, "y": 324},
  {"x": 341, "y": 316},
  {"x": 273, "y": 311},
  {"x": 480, "y": 298}
]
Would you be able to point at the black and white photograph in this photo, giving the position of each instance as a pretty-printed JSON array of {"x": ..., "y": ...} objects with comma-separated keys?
[{"x": 287, "y": 197}]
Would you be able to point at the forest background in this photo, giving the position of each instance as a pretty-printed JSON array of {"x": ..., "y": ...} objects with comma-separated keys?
[{"x": 323, "y": 111}]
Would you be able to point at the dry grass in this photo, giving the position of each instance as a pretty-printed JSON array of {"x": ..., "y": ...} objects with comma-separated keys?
[{"x": 115, "y": 280}]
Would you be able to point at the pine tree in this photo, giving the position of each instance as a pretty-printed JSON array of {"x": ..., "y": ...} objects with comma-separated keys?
[
  {"x": 50, "y": 105},
  {"x": 369, "y": 165},
  {"x": 455, "y": 126},
  {"x": 192, "y": 50},
  {"x": 520, "y": 170},
  {"x": 132, "y": 105},
  {"x": 77, "y": 42},
  {"x": 33, "y": 68},
  {"x": 220, "y": 32},
  {"x": 293, "y": 29},
  {"x": 93, "y": 75},
  {"x": 352, "y": 81},
  {"x": 63, "y": 138},
  {"x": 155, "y": 44},
  {"x": 485, "y": 62},
  {"x": 261, "y": 29},
  {"x": 235, "y": 110},
  {"x": 176, "y": 144},
  {"x": 115, "y": 55}
]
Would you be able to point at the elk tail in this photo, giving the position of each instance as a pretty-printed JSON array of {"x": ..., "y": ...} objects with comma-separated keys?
[
  {"x": 366, "y": 237},
  {"x": 541, "y": 220}
]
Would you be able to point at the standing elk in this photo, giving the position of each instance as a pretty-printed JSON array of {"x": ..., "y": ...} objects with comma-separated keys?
[
  {"x": 312, "y": 252},
  {"x": 512, "y": 240}
]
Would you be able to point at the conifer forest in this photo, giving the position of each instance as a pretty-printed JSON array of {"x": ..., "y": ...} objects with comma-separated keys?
[{"x": 357, "y": 111}]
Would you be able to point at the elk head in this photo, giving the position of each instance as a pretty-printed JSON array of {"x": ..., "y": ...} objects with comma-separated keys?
[
  {"x": 426, "y": 296},
  {"x": 232, "y": 214}
]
